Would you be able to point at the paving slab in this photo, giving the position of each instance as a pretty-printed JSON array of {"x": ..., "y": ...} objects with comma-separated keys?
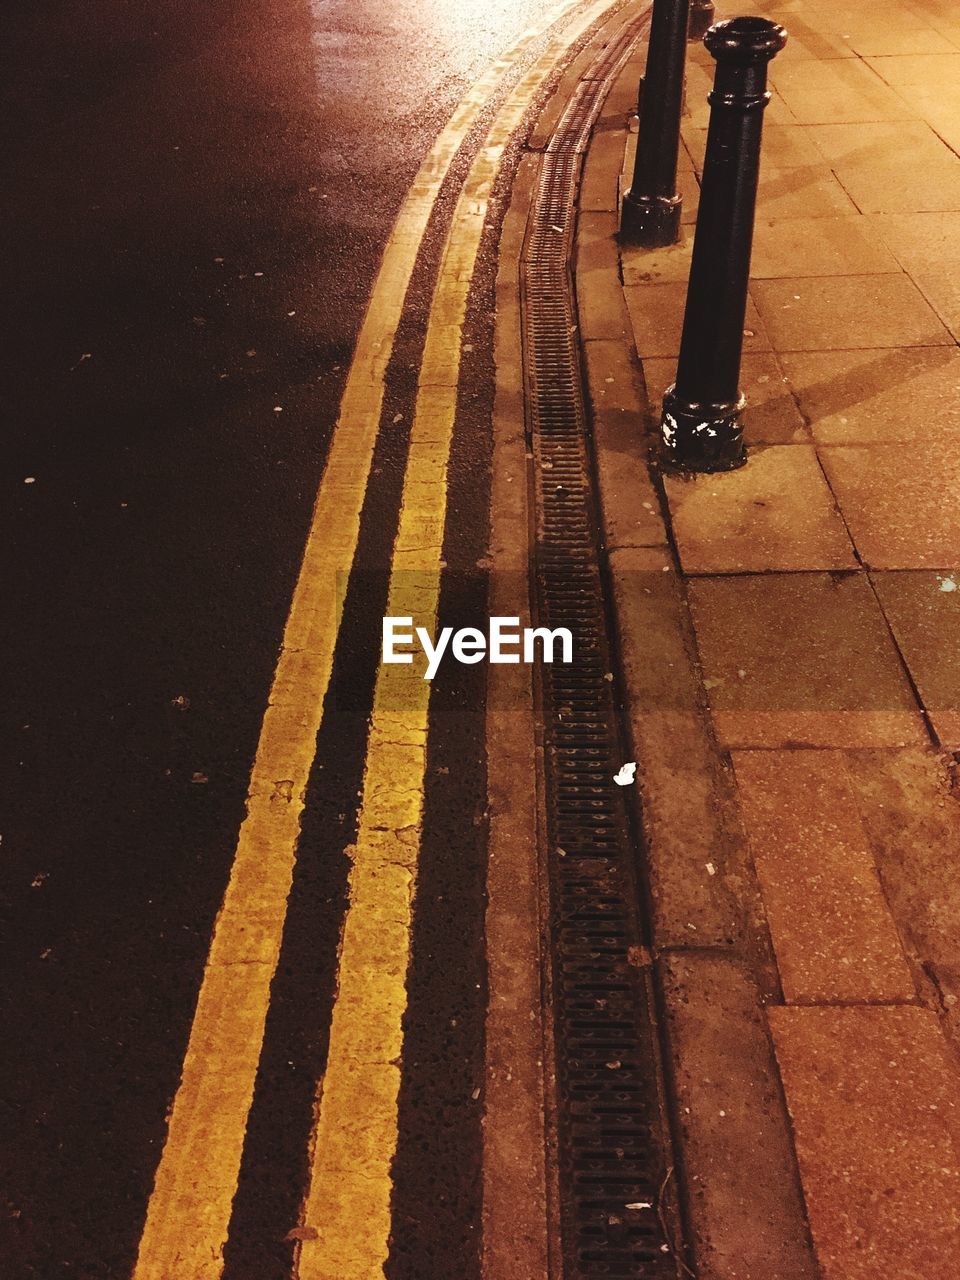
[
  {"x": 602, "y": 313},
  {"x": 621, "y": 102},
  {"x": 630, "y": 501},
  {"x": 656, "y": 313},
  {"x": 843, "y": 312},
  {"x": 802, "y": 191},
  {"x": 834, "y": 936},
  {"x": 689, "y": 189},
  {"x": 875, "y": 1100},
  {"x": 789, "y": 247},
  {"x": 910, "y": 808},
  {"x": 795, "y": 660},
  {"x": 776, "y": 513},
  {"x": 598, "y": 189},
  {"x": 669, "y": 265},
  {"x": 924, "y": 69},
  {"x": 699, "y": 82},
  {"x": 892, "y": 168},
  {"x": 679, "y": 781},
  {"x": 839, "y": 91},
  {"x": 685, "y": 159},
  {"x": 901, "y": 505},
  {"x": 739, "y": 1171},
  {"x": 849, "y": 147},
  {"x": 924, "y": 611},
  {"x": 785, "y": 146},
  {"x": 942, "y": 291},
  {"x": 936, "y": 103},
  {"x": 614, "y": 377},
  {"x": 771, "y": 415},
  {"x": 871, "y": 31},
  {"x": 877, "y": 396},
  {"x": 630, "y": 504},
  {"x": 923, "y": 243},
  {"x": 806, "y": 44}
]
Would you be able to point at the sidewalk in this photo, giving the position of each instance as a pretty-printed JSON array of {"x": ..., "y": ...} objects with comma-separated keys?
[{"x": 790, "y": 642}]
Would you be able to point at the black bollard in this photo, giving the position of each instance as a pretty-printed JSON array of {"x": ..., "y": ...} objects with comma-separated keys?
[
  {"x": 700, "y": 426},
  {"x": 651, "y": 208},
  {"x": 701, "y": 17}
]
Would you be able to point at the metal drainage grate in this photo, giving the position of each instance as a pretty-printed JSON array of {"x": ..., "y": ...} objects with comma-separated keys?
[{"x": 611, "y": 1152}]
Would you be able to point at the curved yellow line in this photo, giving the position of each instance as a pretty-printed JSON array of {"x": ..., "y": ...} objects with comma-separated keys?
[
  {"x": 188, "y": 1214},
  {"x": 348, "y": 1202}
]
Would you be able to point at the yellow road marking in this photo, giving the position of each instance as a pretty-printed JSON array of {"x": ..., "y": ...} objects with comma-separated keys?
[
  {"x": 189, "y": 1210},
  {"x": 348, "y": 1201}
]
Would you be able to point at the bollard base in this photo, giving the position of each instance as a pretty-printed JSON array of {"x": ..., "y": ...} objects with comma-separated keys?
[
  {"x": 702, "y": 14},
  {"x": 653, "y": 222},
  {"x": 702, "y": 437}
]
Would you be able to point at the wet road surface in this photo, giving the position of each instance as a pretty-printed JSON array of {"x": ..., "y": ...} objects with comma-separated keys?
[{"x": 198, "y": 197}]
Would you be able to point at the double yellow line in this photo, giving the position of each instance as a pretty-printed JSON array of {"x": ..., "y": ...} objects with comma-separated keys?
[{"x": 348, "y": 1201}]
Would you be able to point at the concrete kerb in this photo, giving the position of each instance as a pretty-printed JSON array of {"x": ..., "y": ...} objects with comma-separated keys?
[
  {"x": 714, "y": 968},
  {"x": 519, "y": 1198}
]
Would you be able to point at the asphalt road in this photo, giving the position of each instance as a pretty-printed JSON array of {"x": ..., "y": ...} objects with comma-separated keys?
[{"x": 197, "y": 196}]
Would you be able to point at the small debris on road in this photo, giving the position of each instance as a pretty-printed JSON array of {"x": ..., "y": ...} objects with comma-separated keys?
[{"x": 626, "y": 775}]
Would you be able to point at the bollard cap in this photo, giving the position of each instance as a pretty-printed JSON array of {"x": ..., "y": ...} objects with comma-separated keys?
[{"x": 742, "y": 41}]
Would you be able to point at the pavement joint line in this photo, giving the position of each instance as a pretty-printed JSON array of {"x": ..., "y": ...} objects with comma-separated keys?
[
  {"x": 188, "y": 1214},
  {"x": 911, "y": 679},
  {"x": 348, "y": 1202}
]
